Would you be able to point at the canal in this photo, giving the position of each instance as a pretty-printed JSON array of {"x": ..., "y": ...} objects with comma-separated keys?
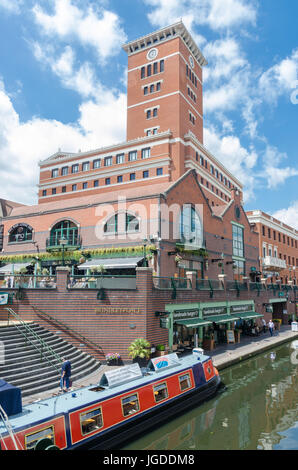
[{"x": 258, "y": 410}]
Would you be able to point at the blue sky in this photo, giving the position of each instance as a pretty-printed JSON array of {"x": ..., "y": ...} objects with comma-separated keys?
[{"x": 63, "y": 85}]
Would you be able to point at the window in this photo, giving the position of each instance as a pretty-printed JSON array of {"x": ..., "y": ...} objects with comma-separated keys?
[
  {"x": 149, "y": 70},
  {"x": 75, "y": 168},
  {"x": 74, "y": 187},
  {"x": 131, "y": 223},
  {"x": 238, "y": 241},
  {"x": 154, "y": 112},
  {"x": 269, "y": 233},
  {"x": 143, "y": 72},
  {"x": 159, "y": 171},
  {"x": 20, "y": 233},
  {"x": 120, "y": 158},
  {"x": 151, "y": 88},
  {"x": 66, "y": 229},
  {"x": 95, "y": 183},
  {"x": 111, "y": 226},
  {"x": 96, "y": 163},
  {"x": 64, "y": 171},
  {"x": 55, "y": 173},
  {"x": 160, "y": 392},
  {"x": 107, "y": 181},
  {"x": 44, "y": 192},
  {"x": 184, "y": 382},
  {"x": 130, "y": 405},
  {"x": 54, "y": 191},
  {"x": 146, "y": 152},
  {"x": 132, "y": 155},
  {"x": 155, "y": 67},
  {"x": 85, "y": 166},
  {"x": 31, "y": 439},
  {"x": 91, "y": 421},
  {"x": 119, "y": 179},
  {"x": 145, "y": 90},
  {"x": 85, "y": 185},
  {"x": 146, "y": 174},
  {"x": 162, "y": 66},
  {"x": 108, "y": 161},
  {"x": 148, "y": 114},
  {"x": 132, "y": 176},
  {"x": 158, "y": 86},
  {"x": 191, "y": 229},
  {"x": 63, "y": 190},
  {"x": 239, "y": 270}
]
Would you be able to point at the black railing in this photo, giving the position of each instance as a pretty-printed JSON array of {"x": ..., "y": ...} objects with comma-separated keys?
[{"x": 72, "y": 241}]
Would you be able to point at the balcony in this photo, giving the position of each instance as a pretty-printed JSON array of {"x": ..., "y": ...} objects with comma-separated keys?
[
  {"x": 73, "y": 243},
  {"x": 275, "y": 264}
]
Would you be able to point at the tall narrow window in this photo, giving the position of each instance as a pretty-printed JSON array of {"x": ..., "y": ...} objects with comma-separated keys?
[
  {"x": 132, "y": 155},
  {"x": 161, "y": 65},
  {"x": 143, "y": 72},
  {"x": 155, "y": 67},
  {"x": 146, "y": 152},
  {"x": 149, "y": 70}
]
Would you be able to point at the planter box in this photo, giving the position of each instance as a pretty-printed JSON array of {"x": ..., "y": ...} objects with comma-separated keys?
[
  {"x": 208, "y": 344},
  {"x": 161, "y": 353}
]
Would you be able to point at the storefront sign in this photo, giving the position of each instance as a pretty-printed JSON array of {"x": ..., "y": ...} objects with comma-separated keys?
[
  {"x": 241, "y": 308},
  {"x": 165, "y": 322},
  {"x": 214, "y": 311},
  {"x": 185, "y": 314},
  {"x": 230, "y": 336},
  {"x": 118, "y": 311}
]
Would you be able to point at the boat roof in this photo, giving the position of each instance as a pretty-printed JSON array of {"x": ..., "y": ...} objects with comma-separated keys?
[{"x": 41, "y": 410}]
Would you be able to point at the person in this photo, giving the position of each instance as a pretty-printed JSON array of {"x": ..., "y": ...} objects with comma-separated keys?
[
  {"x": 271, "y": 327},
  {"x": 65, "y": 380},
  {"x": 264, "y": 325}
]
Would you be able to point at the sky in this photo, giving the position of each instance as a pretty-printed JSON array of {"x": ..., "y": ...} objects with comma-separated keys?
[{"x": 63, "y": 86}]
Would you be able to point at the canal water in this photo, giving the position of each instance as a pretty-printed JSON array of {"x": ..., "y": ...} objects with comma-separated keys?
[{"x": 258, "y": 410}]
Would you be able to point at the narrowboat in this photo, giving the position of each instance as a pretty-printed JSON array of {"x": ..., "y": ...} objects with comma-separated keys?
[{"x": 127, "y": 401}]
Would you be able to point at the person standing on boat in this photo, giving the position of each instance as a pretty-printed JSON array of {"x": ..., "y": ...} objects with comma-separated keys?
[
  {"x": 271, "y": 327},
  {"x": 65, "y": 375}
]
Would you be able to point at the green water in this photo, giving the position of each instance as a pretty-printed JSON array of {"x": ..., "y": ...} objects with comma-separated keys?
[{"x": 258, "y": 410}]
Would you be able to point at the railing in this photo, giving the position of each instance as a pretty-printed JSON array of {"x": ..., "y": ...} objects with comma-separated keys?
[
  {"x": 26, "y": 281},
  {"x": 209, "y": 284},
  {"x": 67, "y": 328},
  {"x": 102, "y": 282},
  {"x": 171, "y": 282},
  {"x": 43, "y": 347}
]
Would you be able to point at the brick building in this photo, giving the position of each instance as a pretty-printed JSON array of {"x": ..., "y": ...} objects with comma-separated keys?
[{"x": 278, "y": 248}]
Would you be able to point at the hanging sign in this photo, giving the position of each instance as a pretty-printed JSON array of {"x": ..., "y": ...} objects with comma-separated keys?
[
  {"x": 214, "y": 311},
  {"x": 241, "y": 308}
]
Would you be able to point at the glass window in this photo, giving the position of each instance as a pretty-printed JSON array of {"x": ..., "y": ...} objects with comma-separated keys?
[
  {"x": 132, "y": 176},
  {"x": 143, "y": 72},
  {"x": 155, "y": 67},
  {"x": 146, "y": 174},
  {"x": 148, "y": 114},
  {"x": 55, "y": 173},
  {"x": 149, "y": 70},
  {"x": 75, "y": 168},
  {"x": 85, "y": 166},
  {"x": 63, "y": 190},
  {"x": 44, "y": 192},
  {"x": 96, "y": 163},
  {"x": 64, "y": 171},
  {"x": 111, "y": 226},
  {"x": 119, "y": 179},
  {"x": 161, "y": 65},
  {"x": 74, "y": 187},
  {"x": 151, "y": 88},
  {"x": 154, "y": 112},
  {"x": 53, "y": 190},
  {"x": 85, "y": 185},
  {"x": 132, "y": 155},
  {"x": 95, "y": 183},
  {"x": 184, "y": 381},
  {"x": 146, "y": 152},
  {"x": 145, "y": 90},
  {"x": 159, "y": 171},
  {"x": 120, "y": 158},
  {"x": 91, "y": 421},
  {"x": 130, "y": 405},
  {"x": 191, "y": 230},
  {"x": 20, "y": 233},
  {"x": 239, "y": 269},
  {"x": 108, "y": 161},
  {"x": 238, "y": 241},
  {"x": 132, "y": 223},
  {"x": 108, "y": 181},
  {"x": 158, "y": 86},
  {"x": 160, "y": 392},
  {"x": 31, "y": 439}
]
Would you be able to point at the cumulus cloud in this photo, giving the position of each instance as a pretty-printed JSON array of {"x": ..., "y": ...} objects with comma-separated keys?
[
  {"x": 100, "y": 29},
  {"x": 289, "y": 215},
  {"x": 11, "y": 6}
]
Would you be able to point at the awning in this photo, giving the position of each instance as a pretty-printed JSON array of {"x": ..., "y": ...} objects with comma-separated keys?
[
  {"x": 112, "y": 263},
  {"x": 194, "y": 322},
  {"x": 9, "y": 268},
  {"x": 222, "y": 318},
  {"x": 249, "y": 315}
]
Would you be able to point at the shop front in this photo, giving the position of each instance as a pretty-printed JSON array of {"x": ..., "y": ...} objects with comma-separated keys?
[{"x": 207, "y": 324}]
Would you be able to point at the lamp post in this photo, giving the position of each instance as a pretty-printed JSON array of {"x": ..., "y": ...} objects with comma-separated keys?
[
  {"x": 144, "y": 253},
  {"x": 222, "y": 263},
  {"x": 63, "y": 241}
]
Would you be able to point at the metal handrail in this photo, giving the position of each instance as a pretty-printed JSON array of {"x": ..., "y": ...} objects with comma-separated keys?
[
  {"x": 43, "y": 344},
  {"x": 63, "y": 326},
  {"x": 7, "y": 424}
]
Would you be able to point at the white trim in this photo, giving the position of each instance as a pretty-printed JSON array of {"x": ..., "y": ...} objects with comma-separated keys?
[
  {"x": 152, "y": 83},
  {"x": 258, "y": 217}
]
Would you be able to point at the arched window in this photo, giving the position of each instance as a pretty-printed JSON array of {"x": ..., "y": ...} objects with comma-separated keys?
[
  {"x": 64, "y": 229},
  {"x": 124, "y": 222},
  {"x": 191, "y": 228},
  {"x": 20, "y": 233}
]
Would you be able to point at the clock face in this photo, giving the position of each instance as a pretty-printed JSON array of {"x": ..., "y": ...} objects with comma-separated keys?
[
  {"x": 152, "y": 54},
  {"x": 191, "y": 62}
]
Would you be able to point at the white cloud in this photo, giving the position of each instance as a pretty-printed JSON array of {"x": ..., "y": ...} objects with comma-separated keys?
[
  {"x": 23, "y": 144},
  {"x": 100, "y": 29},
  {"x": 12, "y": 6},
  {"x": 288, "y": 216}
]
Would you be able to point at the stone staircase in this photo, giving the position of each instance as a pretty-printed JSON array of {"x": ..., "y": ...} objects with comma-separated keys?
[{"x": 24, "y": 368}]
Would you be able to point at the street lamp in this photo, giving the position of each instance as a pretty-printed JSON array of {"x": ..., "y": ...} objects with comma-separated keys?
[{"x": 63, "y": 241}]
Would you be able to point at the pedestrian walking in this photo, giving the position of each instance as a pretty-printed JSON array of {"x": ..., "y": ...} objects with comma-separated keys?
[
  {"x": 271, "y": 327},
  {"x": 65, "y": 381},
  {"x": 264, "y": 325}
]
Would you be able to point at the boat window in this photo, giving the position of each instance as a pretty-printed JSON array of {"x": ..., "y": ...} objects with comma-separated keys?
[
  {"x": 31, "y": 439},
  {"x": 130, "y": 405},
  {"x": 160, "y": 392},
  {"x": 184, "y": 381},
  {"x": 91, "y": 421}
]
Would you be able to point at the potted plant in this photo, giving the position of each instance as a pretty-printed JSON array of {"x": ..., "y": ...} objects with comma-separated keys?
[
  {"x": 160, "y": 350},
  {"x": 112, "y": 358},
  {"x": 208, "y": 342},
  {"x": 139, "y": 351}
]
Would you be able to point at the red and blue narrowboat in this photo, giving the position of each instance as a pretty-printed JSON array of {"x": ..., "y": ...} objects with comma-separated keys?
[{"x": 127, "y": 401}]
